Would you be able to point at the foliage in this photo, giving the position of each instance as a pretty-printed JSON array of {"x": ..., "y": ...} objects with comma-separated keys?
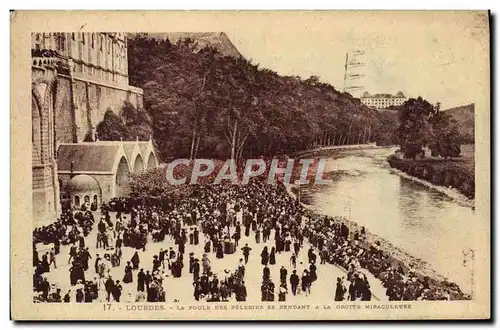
[
  {"x": 112, "y": 128},
  {"x": 130, "y": 125},
  {"x": 421, "y": 125},
  {"x": 203, "y": 104},
  {"x": 137, "y": 121},
  {"x": 445, "y": 136},
  {"x": 414, "y": 126}
]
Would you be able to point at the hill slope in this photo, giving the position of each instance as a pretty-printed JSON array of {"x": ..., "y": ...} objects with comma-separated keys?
[
  {"x": 207, "y": 104},
  {"x": 218, "y": 40},
  {"x": 464, "y": 116}
]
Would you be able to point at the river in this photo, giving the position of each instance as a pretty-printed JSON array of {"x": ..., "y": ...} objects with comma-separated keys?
[{"x": 421, "y": 221}]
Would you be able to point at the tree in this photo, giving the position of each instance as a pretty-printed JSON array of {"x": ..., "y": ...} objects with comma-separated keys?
[
  {"x": 137, "y": 121},
  {"x": 414, "y": 127},
  {"x": 444, "y": 136},
  {"x": 202, "y": 103},
  {"x": 112, "y": 128}
]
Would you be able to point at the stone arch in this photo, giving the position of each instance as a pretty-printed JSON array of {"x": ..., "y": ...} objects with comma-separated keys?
[
  {"x": 122, "y": 178},
  {"x": 43, "y": 100},
  {"x": 36, "y": 131},
  {"x": 151, "y": 161},
  {"x": 138, "y": 164}
]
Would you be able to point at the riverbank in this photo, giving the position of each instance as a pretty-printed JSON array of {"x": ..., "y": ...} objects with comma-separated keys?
[
  {"x": 453, "y": 193},
  {"x": 398, "y": 257},
  {"x": 321, "y": 150},
  {"x": 448, "y": 174}
]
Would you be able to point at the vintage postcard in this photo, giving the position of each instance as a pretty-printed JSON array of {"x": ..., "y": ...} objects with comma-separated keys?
[{"x": 264, "y": 165}]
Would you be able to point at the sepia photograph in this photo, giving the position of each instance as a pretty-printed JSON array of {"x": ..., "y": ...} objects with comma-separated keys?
[{"x": 325, "y": 165}]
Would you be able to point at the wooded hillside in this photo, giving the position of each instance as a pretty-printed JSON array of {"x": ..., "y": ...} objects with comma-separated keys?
[{"x": 204, "y": 104}]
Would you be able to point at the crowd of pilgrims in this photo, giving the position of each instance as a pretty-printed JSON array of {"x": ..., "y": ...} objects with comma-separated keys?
[{"x": 217, "y": 216}]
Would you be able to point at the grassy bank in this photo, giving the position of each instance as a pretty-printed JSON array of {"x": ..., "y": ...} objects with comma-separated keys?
[{"x": 455, "y": 173}]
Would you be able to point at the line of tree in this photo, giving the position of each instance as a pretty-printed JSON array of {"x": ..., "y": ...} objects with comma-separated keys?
[{"x": 203, "y": 104}]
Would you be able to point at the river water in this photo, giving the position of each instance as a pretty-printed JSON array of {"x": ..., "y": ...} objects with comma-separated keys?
[{"x": 421, "y": 221}]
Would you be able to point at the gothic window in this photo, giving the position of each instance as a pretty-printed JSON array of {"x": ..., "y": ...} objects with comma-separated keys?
[
  {"x": 83, "y": 38},
  {"x": 61, "y": 42},
  {"x": 36, "y": 129},
  {"x": 101, "y": 44},
  {"x": 73, "y": 36},
  {"x": 93, "y": 40}
]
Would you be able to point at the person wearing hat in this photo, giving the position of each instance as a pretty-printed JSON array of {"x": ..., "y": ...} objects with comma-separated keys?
[
  {"x": 283, "y": 274},
  {"x": 246, "y": 252},
  {"x": 117, "y": 291},
  {"x": 141, "y": 280},
  {"x": 294, "y": 281},
  {"x": 156, "y": 263},
  {"x": 340, "y": 290},
  {"x": 191, "y": 262},
  {"x": 196, "y": 269},
  {"x": 110, "y": 287},
  {"x": 127, "y": 278},
  {"x": 196, "y": 236}
]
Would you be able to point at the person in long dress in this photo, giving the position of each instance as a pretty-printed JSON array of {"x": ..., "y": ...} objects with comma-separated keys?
[
  {"x": 257, "y": 236},
  {"x": 272, "y": 256},
  {"x": 206, "y": 249},
  {"x": 264, "y": 256},
  {"x": 220, "y": 251},
  {"x": 266, "y": 273},
  {"x": 141, "y": 280},
  {"x": 282, "y": 292},
  {"x": 135, "y": 260},
  {"x": 127, "y": 278},
  {"x": 340, "y": 290},
  {"x": 270, "y": 287}
]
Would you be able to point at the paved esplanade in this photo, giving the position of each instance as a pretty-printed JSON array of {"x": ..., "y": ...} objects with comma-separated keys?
[{"x": 181, "y": 289}]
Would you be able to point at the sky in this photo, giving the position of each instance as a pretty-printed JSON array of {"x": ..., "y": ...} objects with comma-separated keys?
[{"x": 441, "y": 56}]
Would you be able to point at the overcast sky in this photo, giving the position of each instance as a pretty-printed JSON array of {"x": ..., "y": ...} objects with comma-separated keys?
[{"x": 441, "y": 56}]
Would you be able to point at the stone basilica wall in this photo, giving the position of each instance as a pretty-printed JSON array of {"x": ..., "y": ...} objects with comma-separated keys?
[{"x": 75, "y": 107}]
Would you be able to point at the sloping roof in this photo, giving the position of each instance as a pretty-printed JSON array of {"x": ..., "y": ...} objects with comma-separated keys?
[
  {"x": 143, "y": 146},
  {"x": 129, "y": 150},
  {"x": 91, "y": 157}
]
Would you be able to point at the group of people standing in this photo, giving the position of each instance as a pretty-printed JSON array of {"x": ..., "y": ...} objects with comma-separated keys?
[{"x": 215, "y": 218}]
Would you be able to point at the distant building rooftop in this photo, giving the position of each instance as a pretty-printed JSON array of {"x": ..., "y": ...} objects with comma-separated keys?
[{"x": 383, "y": 95}]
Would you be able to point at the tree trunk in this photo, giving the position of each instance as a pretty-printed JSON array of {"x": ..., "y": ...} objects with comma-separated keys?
[
  {"x": 196, "y": 148},
  {"x": 193, "y": 139},
  {"x": 233, "y": 144},
  {"x": 349, "y": 135}
]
